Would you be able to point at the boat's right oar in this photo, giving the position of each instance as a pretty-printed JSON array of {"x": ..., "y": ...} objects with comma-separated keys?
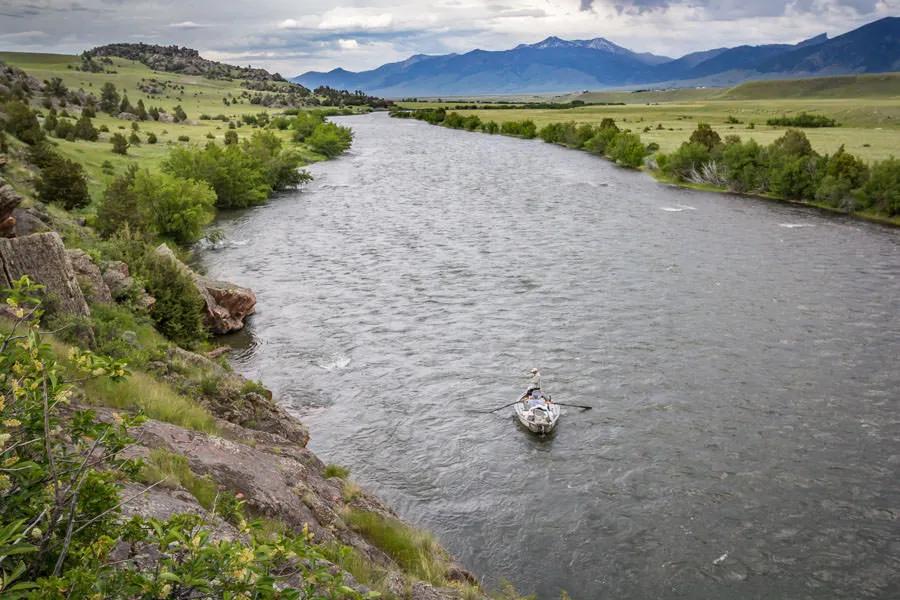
[
  {"x": 496, "y": 409},
  {"x": 574, "y": 405}
]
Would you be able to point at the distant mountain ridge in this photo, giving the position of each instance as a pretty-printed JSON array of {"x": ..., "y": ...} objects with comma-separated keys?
[{"x": 558, "y": 65}]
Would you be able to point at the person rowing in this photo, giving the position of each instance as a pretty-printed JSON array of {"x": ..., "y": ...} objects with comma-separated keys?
[{"x": 534, "y": 384}]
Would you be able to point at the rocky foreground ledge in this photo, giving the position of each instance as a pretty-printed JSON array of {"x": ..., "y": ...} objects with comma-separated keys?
[{"x": 253, "y": 448}]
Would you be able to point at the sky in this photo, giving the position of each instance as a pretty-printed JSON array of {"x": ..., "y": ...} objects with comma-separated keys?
[{"x": 294, "y": 36}]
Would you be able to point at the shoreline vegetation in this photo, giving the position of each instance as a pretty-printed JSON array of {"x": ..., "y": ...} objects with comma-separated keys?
[
  {"x": 787, "y": 170},
  {"x": 135, "y": 462}
]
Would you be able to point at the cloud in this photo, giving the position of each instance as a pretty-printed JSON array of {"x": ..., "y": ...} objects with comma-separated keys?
[
  {"x": 348, "y": 44},
  {"x": 187, "y": 25},
  {"x": 351, "y": 18}
]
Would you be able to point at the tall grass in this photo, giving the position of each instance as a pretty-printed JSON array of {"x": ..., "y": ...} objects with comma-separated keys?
[
  {"x": 415, "y": 551},
  {"x": 173, "y": 470},
  {"x": 154, "y": 398}
]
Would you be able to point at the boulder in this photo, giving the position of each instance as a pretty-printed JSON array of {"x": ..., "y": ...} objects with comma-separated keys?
[
  {"x": 43, "y": 257},
  {"x": 118, "y": 280},
  {"x": 127, "y": 116},
  {"x": 89, "y": 278},
  {"x": 227, "y": 304},
  {"x": 30, "y": 220},
  {"x": 9, "y": 200}
]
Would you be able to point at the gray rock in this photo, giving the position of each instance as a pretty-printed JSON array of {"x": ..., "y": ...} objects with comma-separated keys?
[
  {"x": 89, "y": 277},
  {"x": 130, "y": 338},
  {"x": 227, "y": 304},
  {"x": 43, "y": 257}
]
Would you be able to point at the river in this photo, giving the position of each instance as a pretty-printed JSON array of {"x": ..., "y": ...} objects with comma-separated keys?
[{"x": 742, "y": 356}]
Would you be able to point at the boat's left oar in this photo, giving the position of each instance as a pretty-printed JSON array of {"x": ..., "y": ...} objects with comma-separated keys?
[
  {"x": 496, "y": 409},
  {"x": 581, "y": 406}
]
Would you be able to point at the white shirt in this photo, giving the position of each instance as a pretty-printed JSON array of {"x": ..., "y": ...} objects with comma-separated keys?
[{"x": 535, "y": 381}]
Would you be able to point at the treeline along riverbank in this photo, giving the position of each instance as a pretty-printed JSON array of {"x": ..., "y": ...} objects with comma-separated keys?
[{"x": 787, "y": 169}]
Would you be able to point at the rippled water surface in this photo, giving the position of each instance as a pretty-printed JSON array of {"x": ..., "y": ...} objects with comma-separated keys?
[{"x": 743, "y": 358}]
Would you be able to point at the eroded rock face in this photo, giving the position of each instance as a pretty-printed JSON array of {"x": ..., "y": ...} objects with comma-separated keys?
[
  {"x": 227, "y": 304},
  {"x": 9, "y": 200},
  {"x": 118, "y": 280},
  {"x": 89, "y": 278},
  {"x": 44, "y": 259}
]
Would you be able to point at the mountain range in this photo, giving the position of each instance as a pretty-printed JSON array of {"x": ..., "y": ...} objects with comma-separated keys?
[{"x": 558, "y": 65}]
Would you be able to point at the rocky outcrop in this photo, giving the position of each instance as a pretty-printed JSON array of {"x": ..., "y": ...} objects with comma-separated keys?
[
  {"x": 31, "y": 220},
  {"x": 9, "y": 200},
  {"x": 43, "y": 258},
  {"x": 227, "y": 304},
  {"x": 89, "y": 278},
  {"x": 121, "y": 284},
  {"x": 237, "y": 400}
]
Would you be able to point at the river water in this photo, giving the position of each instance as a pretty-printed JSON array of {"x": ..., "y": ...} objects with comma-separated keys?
[{"x": 742, "y": 356}]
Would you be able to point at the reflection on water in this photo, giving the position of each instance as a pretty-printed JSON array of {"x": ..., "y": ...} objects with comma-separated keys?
[{"x": 741, "y": 357}]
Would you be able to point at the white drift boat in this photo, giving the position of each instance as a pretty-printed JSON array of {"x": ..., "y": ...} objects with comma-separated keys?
[{"x": 537, "y": 414}]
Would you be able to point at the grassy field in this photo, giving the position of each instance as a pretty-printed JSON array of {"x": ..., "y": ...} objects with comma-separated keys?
[
  {"x": 868, "y": 108},
  {"x": 200, "y": 96}
]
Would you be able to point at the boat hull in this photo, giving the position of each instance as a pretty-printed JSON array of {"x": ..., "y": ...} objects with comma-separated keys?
[{"x": 541, "y": 420}]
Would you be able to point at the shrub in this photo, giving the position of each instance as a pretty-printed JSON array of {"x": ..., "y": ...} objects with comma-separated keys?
[
  {"x": 65, "y": 129},
  {"x": 157, "y": 204},
  {"x": 85, "y": 130},
  {"x": 183, "y": 138},
  {"x": 330, "y": 139},
  {"x": 50, "y": 121},
  {"x": 22, "y": 122},
  {"x": 63, "y": 181},
  {"x": 490, "y": 127},
  {"x": 802, "y": 120},
  {"x": 627, "y": 150},
  {"x": 745, "y": 163},
  {"x": 231, "y": 137},
  {"x": 706, "y": 135},
  {"x": 600, "y": 141},
  {"x": 119, "y": 143},
  {"x": 844, "y": 173},
  {"x": 178, "y": 311},
  {"x": 238, "y": 180},
  {"x": 795, "y": 177},
  {"x": 179, "y": 114},
  {"x": 526, "y": 128},
  {"x": 151, "y": 138},
  {"x": 134, "y": 139},
  {"x": 281, "y": 166},
  {"x": 882, "y": 190}
]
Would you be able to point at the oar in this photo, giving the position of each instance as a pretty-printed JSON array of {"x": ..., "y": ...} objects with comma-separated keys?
[
  {"x": 498, "y": 408},
  {"x": 574, "y": 405}
]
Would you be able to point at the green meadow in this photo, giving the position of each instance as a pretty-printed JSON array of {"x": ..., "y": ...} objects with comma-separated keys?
[
  {"x": 199, "y": 96},
  {"x": 867, "y": 108}
]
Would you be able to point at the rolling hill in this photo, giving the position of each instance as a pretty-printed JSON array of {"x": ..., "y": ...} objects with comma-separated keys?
[{"x": 557, "y": 65}]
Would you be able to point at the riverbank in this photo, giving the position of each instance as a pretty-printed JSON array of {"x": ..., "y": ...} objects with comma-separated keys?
[
  {"x": 787, "y": 170},
  {"x": 190, "y": 477}
]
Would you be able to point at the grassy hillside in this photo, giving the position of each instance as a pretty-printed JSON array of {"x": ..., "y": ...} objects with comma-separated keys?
[
  {"x": 195, "y": 94},
  {"x": 868, "y": 108}
]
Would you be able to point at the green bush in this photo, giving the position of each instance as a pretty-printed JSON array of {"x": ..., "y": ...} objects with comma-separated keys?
[
  {"x": 119, "y": 143},
  {"x": 746, "y": 165},
  {"x": 802, "y": 120},
  {"x": 179, "y": 308},
  {"x": 151, "y": 138},
  {"x": 22, "y": 122},
  {"x": 882, "y": 190},
  {"x": 330, "y": 139},
  {"x": 63, "y": 181},
  {"x": 85, "y": 130},
  {"x": 627, "y": 150},
  {"x": 705, "y": 135},
  {"x": 238, "y": 179},
  {"x": 333, "y": 470},
  {"x": 281, "y": 166},
  {"x": 525, "y": 128},
  {"x": 156, "y": 204}
]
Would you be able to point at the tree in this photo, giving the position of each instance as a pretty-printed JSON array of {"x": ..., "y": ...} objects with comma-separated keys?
[
  {"x": 22, "y": 122},
  {"x": 56, "y": 87},
  {"x": 706, "y": 135},
  {"x": 793, "y": 143},
  {"x": 134, "y": 139},
  {"x": 125, "y": 105},
  {"x": 689, "y": 157},
  {"x": 238, "y": 180},
  {"x": 85, "y": 130},
  {"x": 281, "y": 167},
  {"x": 627, "y": 150},
  {"x": 119, "y": 143},
  {"x": 50, "y": 121},
  {"x": 746, "y": 166},
  {"x": 151, "y": 138},
  {"x": 140, "y": 111},
  {"x": 178, "y": 311},
  {"x": 63, "y": 181},
  {"x": 153, "y": 113},
  {"x": 109, "y": 98},
  {"x": 882, "y": 190},
  {"x": 231, "y": 137},
  {"x": 330, "y": 139},
  {"x": 172, "y": 207},
  {"x": 844, "y": 173},
  {"x": 120, "y": 205},
  {"x": 179, "y": 114}
]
